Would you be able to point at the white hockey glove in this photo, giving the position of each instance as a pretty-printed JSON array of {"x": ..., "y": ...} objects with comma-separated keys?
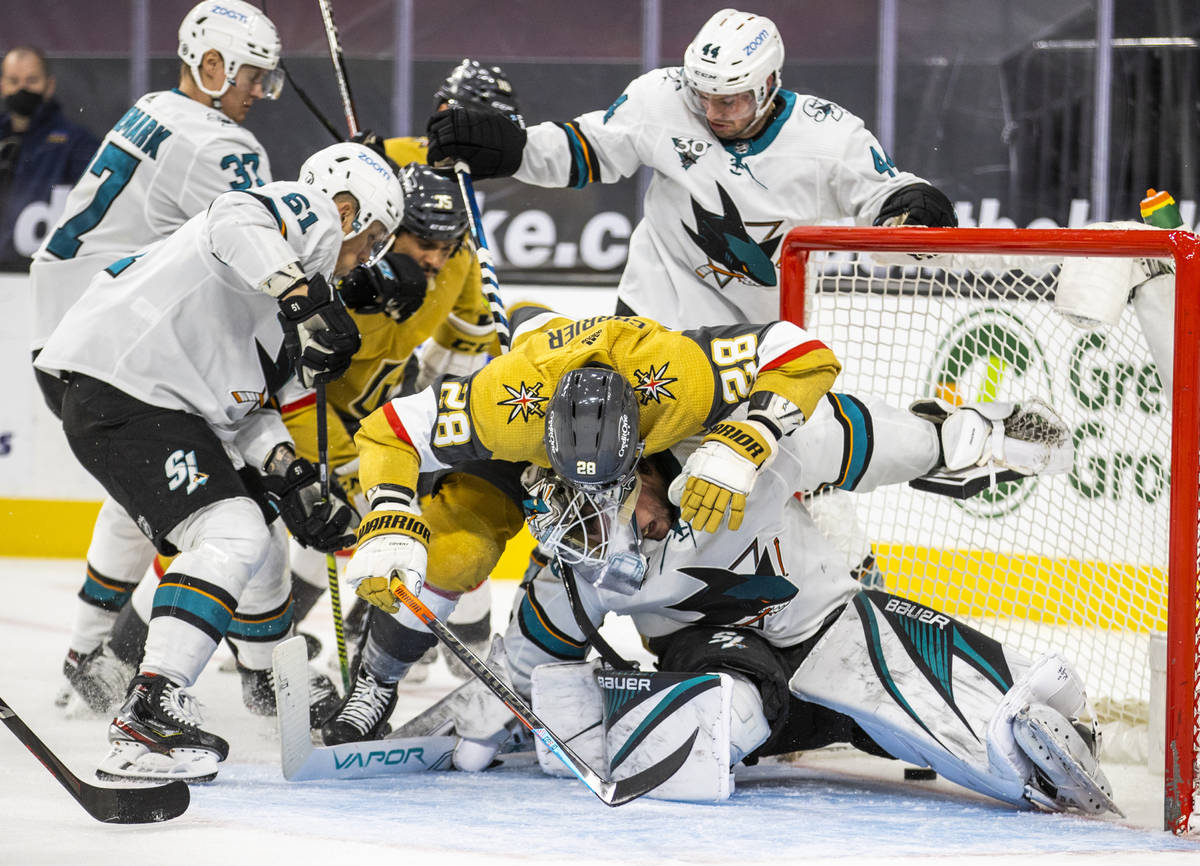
[
  {"x": 391, "y": 537},
  {"x": 720, "y": 474}
]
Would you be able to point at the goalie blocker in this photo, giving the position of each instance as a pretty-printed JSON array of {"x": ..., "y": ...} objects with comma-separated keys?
[{"x": 892, "y": 677}]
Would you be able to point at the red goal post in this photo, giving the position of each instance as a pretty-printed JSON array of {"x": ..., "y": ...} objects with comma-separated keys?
[{"x": 800, "y": 279}]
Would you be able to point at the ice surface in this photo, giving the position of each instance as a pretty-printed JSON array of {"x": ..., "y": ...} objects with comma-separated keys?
[{"x": 831, "y": 807}]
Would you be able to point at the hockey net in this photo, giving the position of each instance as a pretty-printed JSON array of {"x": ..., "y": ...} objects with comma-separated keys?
[{"x": 1101, "y": 563}]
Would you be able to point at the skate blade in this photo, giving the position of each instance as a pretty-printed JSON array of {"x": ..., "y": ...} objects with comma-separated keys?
[{"x": 128, "y": 761}]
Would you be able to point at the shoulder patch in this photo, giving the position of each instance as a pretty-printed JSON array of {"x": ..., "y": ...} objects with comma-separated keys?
[{"x": 820, "y": 109}]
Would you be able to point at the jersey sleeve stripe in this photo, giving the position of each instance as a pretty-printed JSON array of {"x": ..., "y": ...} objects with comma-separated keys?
[
  {"x": 296, "y": 405},
  {"x": 393, "y": 419},
  {"x": 584, "y": 167},
  {"x": 793, "y": 353}
]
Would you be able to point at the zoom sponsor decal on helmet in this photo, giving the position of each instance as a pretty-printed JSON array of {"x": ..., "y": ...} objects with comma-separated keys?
[{"x": 991, "y": 354}]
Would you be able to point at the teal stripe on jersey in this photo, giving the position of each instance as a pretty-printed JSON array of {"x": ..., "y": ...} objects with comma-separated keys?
[
  {"x": 534, "y": 625},
  {"x": 263, "y": 627},
  {"x": 205, "y": 606}
]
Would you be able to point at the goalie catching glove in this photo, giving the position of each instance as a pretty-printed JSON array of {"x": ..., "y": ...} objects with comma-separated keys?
[
  {"x": 319, "y": 336},
  {"x": 393, "y": 537},
  {"x": 720, "y": 474}
]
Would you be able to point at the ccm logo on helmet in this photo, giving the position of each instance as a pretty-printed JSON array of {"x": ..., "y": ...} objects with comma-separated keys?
[
  {"x": 752, "y": 46},
  {"x": 384, "y": 170},
  {"x": 228, "y": 13}
]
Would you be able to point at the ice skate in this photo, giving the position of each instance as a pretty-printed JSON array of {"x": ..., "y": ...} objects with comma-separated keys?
[
  {"x": 258, "y": 692},
  {"x": 98, "y": 682},
  {"x": 364, "y": 713},
  {"x": 157, "y": 735}
]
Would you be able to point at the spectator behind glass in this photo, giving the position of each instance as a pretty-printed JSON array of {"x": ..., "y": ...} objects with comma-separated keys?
[{"x": 39, "y": 150}]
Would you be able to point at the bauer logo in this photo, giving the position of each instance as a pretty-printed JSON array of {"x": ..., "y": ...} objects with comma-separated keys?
[{"x": 989, "y": 355}]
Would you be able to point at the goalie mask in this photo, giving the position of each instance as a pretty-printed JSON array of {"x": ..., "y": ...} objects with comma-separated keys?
[
  {"x": 734, "y": 53},
  {"x": 241, "y": 34},
  {"x": 364, "y": 174},
  {"x": 584, "y": 511}
]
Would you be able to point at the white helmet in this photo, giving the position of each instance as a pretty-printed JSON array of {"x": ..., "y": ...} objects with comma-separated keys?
[
  {"x": 735, "y": 52},
  {"x": 360, "y": 171},
  {"x": 240, "y": 33}
]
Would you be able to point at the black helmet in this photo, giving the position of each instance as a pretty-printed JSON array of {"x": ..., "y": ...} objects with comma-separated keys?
[
  {"x": 433, "y": 205},
  {"x": 472, "y": 83},
  {"x": 592, "y": 429}
]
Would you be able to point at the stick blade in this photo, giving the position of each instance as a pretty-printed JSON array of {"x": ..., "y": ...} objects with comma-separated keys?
[
  {"x": 290, "y": 661},
  {"x": 621, "y": 792},
  {"x": 136, "y": 805}
]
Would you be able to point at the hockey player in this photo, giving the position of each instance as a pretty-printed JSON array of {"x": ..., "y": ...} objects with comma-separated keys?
[
  {"x": 451, "y": 332},
  {"x": 806, "y": 656},
  {"x": 737, "y": 162},
  {"x": 163, "y": 162},
  {"x": 204, "y": 307},
  {"x": 425, "y": 292},
  {"x": 659, "y": 386}
]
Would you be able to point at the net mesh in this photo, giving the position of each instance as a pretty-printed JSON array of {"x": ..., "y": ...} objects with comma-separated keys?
[{"x": 1073, "y": 562}]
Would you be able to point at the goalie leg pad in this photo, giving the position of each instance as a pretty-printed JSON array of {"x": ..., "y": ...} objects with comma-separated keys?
[
  {"x": 1154, "y": 305},
  {"x": 923, "y": 687},
  {"x": 566, "y": 696},
  {"x": 648, "y": 714},
  {"x": 1065, "y": 760}
]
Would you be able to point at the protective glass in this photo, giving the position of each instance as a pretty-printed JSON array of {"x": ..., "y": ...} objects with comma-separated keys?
[
  {"x": 380, "y": 241},
  {"x": 271, "y": 80},
  {"x": 735, "y": 108},
  {"x": 594, "y": 532}
]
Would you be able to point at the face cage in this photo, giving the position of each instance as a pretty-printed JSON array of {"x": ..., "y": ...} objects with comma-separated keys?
[{"x": 595, "y": 533}]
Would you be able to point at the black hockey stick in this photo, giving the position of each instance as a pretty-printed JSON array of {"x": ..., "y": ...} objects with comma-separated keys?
[
  {"x": 144, "y": 805},
  {"x": 613, "y": 793}
]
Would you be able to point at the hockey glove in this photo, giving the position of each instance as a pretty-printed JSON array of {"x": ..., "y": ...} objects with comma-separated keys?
[
  {"x": 396, "y": 286},
  {"x": 917, "y": 205},
  {"x": 392, "y": 537},
  {"x": 318, "y": 334},
  {"x": 719, "y": 475},
  {"x": 324, "y": 525},
  {"x": 490, "y": 143}
]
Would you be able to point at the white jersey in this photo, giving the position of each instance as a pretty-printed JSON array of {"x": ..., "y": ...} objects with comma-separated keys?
[
  {"x": 185, "y": 324},
  {"x": 162, "y": 163},
  {"x": 707, "y": 248},
  {"x": 696, "y": 577}
]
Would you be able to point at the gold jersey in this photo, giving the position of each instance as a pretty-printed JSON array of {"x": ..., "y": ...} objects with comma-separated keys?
[
  {"x": 454, "y": 313},
  {"x": 685, "y": 382}
]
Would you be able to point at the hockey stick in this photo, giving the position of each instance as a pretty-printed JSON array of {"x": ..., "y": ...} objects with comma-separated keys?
[
  {"x": 143, "y": 805},
  {"x": 339, "y": 66},
  {"x": 301, "y": 760},
  {"x": 613, "y": 793},
  {"x": 487, "y": 267},
  {"x": 302, "y": 93},
  {"x": 335, "y": 596}
]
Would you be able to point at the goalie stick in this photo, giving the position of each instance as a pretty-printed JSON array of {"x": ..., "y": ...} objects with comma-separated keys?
[
  {"x": 612, "y": 793},
  {"x": 141, "y": 805},
  {"x": 301, "y": 760}
]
